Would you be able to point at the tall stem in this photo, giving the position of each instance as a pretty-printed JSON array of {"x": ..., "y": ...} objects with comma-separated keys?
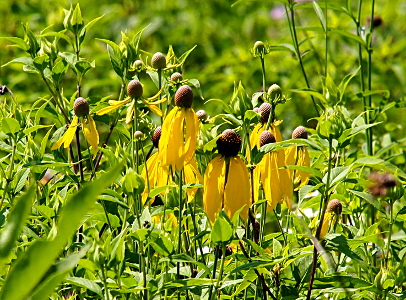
[
  {"x": 323, "y": 207},
  {"x": 291, "y": 21}
]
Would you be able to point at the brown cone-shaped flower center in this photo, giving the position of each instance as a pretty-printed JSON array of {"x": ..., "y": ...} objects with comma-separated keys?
[
  {"x": 266, "y": 137},
  {"x": 335, "y": 206},
  {"x": 81, "y": 107},
  {"x": 176, "y": 77},
  {"x": 134, "y": 89},
  {"x": 184, "y": 96},
  {"x": 158, "y": 61},
  {"x": 229, "y": 143},
  {"x": 201, "y": 115},
  {"x": 299, "y": 133},
  {"x": 156, "y": 136},
  {"x": 264, "y": 109},
  {"x": 138, "y": 135}
]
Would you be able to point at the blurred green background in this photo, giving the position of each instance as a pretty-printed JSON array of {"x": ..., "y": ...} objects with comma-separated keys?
[{"x": 224, "y": 35}]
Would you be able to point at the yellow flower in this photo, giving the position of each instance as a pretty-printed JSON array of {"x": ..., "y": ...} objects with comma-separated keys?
[
  {"x": 134, "y": 91},
  {"x": 299, "y": 156},
  {"x": 276, "y": 183},
  {"x": 226, "y": 180},
  {"x": 159, "y": 175},
  {"x": 81, "y": 109},
  {"x": 179, "y": 131},
  {"x": 333, "y": 211}
]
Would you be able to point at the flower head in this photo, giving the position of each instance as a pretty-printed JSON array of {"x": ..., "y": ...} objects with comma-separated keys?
[
  {"x": 82, "y": 116},
  {"x": 179, "y": 131},
  {"x": 298, "y": 156},
  {"x": 276, "y": 183},
  {"x": 134, "y": 92},
  {"x": 226, "y": 180}
]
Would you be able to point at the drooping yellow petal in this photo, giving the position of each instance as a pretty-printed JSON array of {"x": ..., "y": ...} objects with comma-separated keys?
[
  {"x": 191, "y": 130},
  {"x": 67, "y": 137},
  {"x": 326, "y": 224},
  {"x": 91, "y": 134},
  {"x": 286, "y": 185},
  {"x": 256, "y": 132},
  {"x": 213, "y": 192},
  {"x": 237, "y": 189},
  {"x": 151, "y": 167},
  {"x": 154, "y": 102},
  {"x": 192, "y": 176},
  {"x": 156, "y": 110},
  {"x": 171, "y": 145},
  {"x": 304, "y": 161},
  {"x": 291, "y": 159},
  {"x": 130, "y": 113},
  {"x": 274, "y": 180},
  {"x": 114, "y": 104},
  {"x": 275, "y": 131}
]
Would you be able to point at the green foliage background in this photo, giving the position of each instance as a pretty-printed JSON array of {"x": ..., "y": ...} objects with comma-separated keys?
[{"x": 223, "y": 34}]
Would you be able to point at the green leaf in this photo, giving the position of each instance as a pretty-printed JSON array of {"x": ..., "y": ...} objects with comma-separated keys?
[
  {"x": 222, "y": 231},
  {"x": 59, "y": 271},
  {"x": 32, "y": 265},
  {"x": 163, "y": 246},
  {"x": 10, "y": 126},
  {"x": 320, "y": 15},
  {"x": 86, "y": 284},
  {"x": 115, "y": 56},
  {"x": 59, "y": 70},
  {"x": 35, "y": 128},
  {"x": 15, "y": 223},
  {"x": 18, "y": 42},
  {"x": 339, "y": 242}
]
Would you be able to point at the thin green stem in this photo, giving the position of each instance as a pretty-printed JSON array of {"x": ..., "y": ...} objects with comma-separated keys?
[
  {"x": 180, "y": 222},
  {"x": 214, "y": 270},
  {"x": 323, "y": 207},
  {"x": 220, "y": 276},
  {"x": 262, "y": 57},
  {"x": 10, "y": 173},
  {"x": 390, "y": 232},
  {"x": 292, "y": 26}
]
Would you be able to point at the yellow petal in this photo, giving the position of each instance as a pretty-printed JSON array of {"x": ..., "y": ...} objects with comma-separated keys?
[
  {"x": 154, "y": 102},
  {"x": 67, "y": 137},
  {"x": 106, "y": 110},
  {"x": 237, "y": 189},
  {"x": 256, "y": 132},
  {"x": 286, "y": 184},
  {"x": 213, "y": 192},
  {"x": 156, "y": 110},
  {"x": 130, "y": 113},
  {"x": 304, "y": 160},
  {"x": 91, "y": 134},
  {"x": 120, "y": 102},
  {"x": 275, "y": 131},
  {"x": 326, "y": 224},
  {"x": 273, "y": 173},
  {"x": 151, "y": 168},
  {"x": 192, "y": 176},
  {"x": 191, "y": 128},
  {"x": 171, "y": 143}
]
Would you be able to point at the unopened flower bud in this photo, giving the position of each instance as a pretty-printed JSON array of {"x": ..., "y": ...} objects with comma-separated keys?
[
  {"x": 184, "y": 96},
  {"x": 229, "y": 143},
  {"x": 81, "y": 107},
  {"x": 266, "y": 137},
  {"x": 201, "y": 115},
  {"x": 259, "y": 46},
  {"x": 275, "y": 92},
  {"x": 158, "y": 61},
  {"x": 138, "y": 135},
  {"x": 299, "y": 133},
  {"x": 176, "y": 77},
  {"x": 156, "y": 136},
  {"x": 134, "y": 89}
]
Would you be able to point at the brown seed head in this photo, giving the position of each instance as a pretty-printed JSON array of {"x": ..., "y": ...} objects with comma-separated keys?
[
  {"x": 201, "y": 115},
  {"x": 335, "y": 206},
  {"x": 156, "y": 136},
  {"x": 264, "y": 109},
  {"x": 266, "y": 137},
  {"x": 81, "y": 107},
  {"x": 134, "y": 89},
  {"x": 158, "y": 61},
  {"x": 184, "y": 96},
  {"x": 176, "y": 77},
  {"x": 299, "y": 133},
  {"x": 229, "y": 143}
]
